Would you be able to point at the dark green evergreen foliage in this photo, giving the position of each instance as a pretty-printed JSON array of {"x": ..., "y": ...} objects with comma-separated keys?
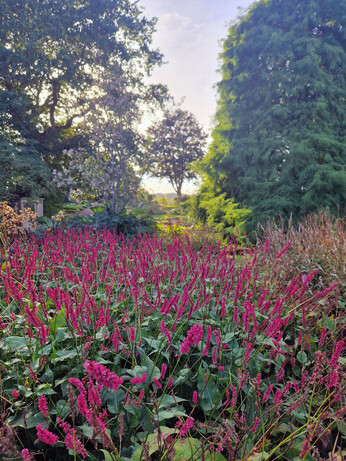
[
  {"x": 22, "y": 171},
  {"x": 52, "y": 53},
  {"x": 279, "y": 138}
]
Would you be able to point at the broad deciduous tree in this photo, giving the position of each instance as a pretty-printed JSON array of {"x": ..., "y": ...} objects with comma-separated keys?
[
  {"x": 279, "y": 137},
  {"x": 50, "y": 53},
  {"x": 175, "y": 142}
]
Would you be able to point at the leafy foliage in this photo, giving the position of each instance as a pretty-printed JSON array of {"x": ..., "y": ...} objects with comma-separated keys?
[
  {"x": 278, "y": 143},
  {"x": 222, "y": 214},
  {"x": 52, "y": 55},
  {"x": 23, "y": 173},
  {"x": 123, "y": 223}
]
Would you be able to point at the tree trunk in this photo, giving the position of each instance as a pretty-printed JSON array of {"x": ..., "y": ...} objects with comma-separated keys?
[{"x": 179, "y": 195}]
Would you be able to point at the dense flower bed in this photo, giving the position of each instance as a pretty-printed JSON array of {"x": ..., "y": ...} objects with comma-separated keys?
[{"x": 116, "y": 349}]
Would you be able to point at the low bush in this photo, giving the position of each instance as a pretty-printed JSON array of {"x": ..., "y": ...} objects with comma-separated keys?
[
  {"x": 124, "y": 223},
  {"x": 126, "y": 350},
  {"x": 12, "y": 222},
  {"x": 219, "y": 213}
]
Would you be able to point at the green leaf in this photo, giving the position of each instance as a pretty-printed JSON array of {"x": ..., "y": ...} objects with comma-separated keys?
[
  {"x": 87, "y": 430},
  {"x": 62, "y": 409},
  {"x": 153, "y": 370},
  {"x": 302, "y": 357},
  {"x": 182, "y": 377},
  {"x": 115, "y": 400},
  {"x": 168, "y": 414},
  {"x": 45, "y": 389},
  {"x": 16, "y": 342},
  {"x": 330, "y": 324},
  {"x": 189, "y": 449},
  {"x": 62, "y": 334},
  {"x": 136, "y": 371},
  {"x": 63, "y": 355},
  {"x": 47, "y": 375},
  {"x": 153, "y": 343},
  {"x": 58, "y": 382},
  {"x": 151, "y": 440},
  {"x": 228, "y": 337},
  {"x": 258, "y": 456},
  {"x": 31, "y": 420},
  {"x": 168, "y": 400},
  {"x": 108, "y": 456},
  {"x": 57, "y": 322},
  {"x": 209, "y": 393}
]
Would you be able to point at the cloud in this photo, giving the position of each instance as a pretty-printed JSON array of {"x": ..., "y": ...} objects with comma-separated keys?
[{"x": 188, "y": 34}]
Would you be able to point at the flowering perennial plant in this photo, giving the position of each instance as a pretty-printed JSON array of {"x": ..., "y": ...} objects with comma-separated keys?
[
  {"x": 140, "y": 346},
  {"x": 45, "y": 436},
  {"x": 102, "y": 375}
]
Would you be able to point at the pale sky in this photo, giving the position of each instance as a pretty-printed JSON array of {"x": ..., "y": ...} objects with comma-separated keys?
[{"x": 188, "y": 34}]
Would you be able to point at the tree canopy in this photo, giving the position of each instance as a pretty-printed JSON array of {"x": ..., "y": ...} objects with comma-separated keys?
[
  {"x": 279, "y": 137},
  {"x": 175, "y": 142},
  {"x": 52, "y": 57}
]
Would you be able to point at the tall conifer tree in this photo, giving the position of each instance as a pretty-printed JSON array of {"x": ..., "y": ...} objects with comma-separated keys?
[{"x": 279, "y": 137}]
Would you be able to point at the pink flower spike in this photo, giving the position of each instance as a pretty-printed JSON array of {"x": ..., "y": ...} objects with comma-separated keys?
[
  {"x": 42, "y": 406},
  {"x": 26, "y": 455},
  {"x": 186, "y": 427},
  {"x": 45, "y": 436},
  {"x": 194, "y": 337},
  {"x": 194, "y": 397},
  {"x": 157, "y": 383},
  {"x": 102, "y": 375},
  {"x": 286, "y": 247},
  {"x": 335, "y": 357},
  {"x": 79, "y": 385},
  {"x": 163, "y": 371},
  {"x": 140, "y": 380}
]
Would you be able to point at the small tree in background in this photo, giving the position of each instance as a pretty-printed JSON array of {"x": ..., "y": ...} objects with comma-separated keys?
[{"x": 175, "y": 142}]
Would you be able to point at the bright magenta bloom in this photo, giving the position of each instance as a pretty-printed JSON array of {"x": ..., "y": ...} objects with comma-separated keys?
[
  {"x": 72, "y": 441},
  {"x": 46, "y": 436},
  {"x": 186, "y": 427},
  {"x": 194, "y": 336},
  {"x": 26, "y": 455},
  {"x": 42, "y": 406},
  {"x": 102, "y": 375},
  {"x": 140, "y": 380}
]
